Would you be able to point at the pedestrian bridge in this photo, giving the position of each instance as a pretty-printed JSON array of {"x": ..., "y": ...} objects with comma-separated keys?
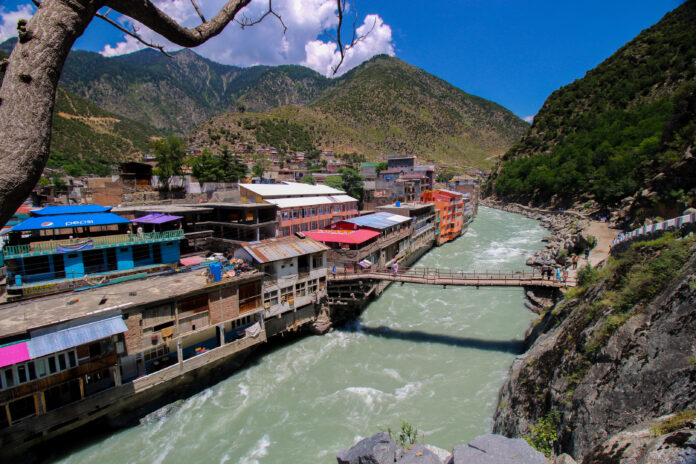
[{"x": 444, "y": 277}]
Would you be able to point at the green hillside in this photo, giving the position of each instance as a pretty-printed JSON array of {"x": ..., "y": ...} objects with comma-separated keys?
[
  {"x": 383, "y": 106},
  {"x": 88, "y": 140},
  {"x": 619, "y": 129},
  {"x": 176, "y": 94}
]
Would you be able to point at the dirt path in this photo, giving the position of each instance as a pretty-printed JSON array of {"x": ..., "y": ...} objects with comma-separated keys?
[{"x": 604, "y": 236}]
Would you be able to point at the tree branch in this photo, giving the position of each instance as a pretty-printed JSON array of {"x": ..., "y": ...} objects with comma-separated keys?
[
  {"x": 133, "y": 34},
  {"x": 155, "y": 19},
  {"x": 343, "y": 49},
  {"x": 246, "y": 22},
  {"x": 200, "y": 15}
]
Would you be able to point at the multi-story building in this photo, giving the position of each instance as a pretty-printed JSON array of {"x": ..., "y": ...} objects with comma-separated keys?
[
  {"x": 450, "y": 211},
  {"x": 302, "y": 207},
  {"x": 63, "y": 247},
  {"x": 424, "y": 218},
  {"x": 70, "y": 359},
  {"x": 393, "y": 242},
  {"x": 294, "y": 272}
]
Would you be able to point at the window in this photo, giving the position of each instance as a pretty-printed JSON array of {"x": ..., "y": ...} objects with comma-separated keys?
[
  {"x": 29, "y": 371},
  {"x": 312, "y": 211},
  {"x": 317, "y": 261},
  {"x": 313, "y": 284},
  {"x": 270, "y": 298},
  {"x": 295, "y": 213},
  {"x": 301, "y": 289},
  {"x": 337, "y": 208},
  {"x": 304, "y": 227},
  {"x": 295, "y": 228},
  {"x": 286, "y": 294},
  {"x": 285, "y": 215},
  {"x": 313, "y": 225},
  {"x": 284, "y": 231}
]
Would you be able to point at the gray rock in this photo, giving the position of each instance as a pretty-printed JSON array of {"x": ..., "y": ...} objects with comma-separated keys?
[
  {"x": 377, "y": 449},
  {"x": 419, "y": 454},
  {"x": 562, "y": 459},
  {"x": 496, "y": 449}
]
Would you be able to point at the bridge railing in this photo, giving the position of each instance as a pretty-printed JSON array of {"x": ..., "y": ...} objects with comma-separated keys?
[{"x": 444, "y": 274}]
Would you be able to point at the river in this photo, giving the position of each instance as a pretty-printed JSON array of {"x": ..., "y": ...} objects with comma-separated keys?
[{"x": 430, "y": 356}]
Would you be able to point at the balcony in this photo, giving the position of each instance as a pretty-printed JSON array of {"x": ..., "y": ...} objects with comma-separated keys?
[{"x": 78, "y": 244}]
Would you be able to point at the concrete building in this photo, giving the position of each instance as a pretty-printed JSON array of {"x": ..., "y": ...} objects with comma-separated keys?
[
  {"x": 294, "y": 272},
  {"x": 450, "y": 211},
  {"x": 302, "y": 207},
  {"x": 424, "y": 220}
]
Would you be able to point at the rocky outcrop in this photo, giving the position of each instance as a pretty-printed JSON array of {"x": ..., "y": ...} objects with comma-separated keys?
[
  {"x": 640, "y": 445},
  {"x": 596, "y": 371},
  {"x": 485, "y": 449},
  {"x": 495, "y": 449}
]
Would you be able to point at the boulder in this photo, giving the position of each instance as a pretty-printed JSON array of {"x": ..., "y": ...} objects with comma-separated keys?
[
  {"x": 496, "y": 449},
  {"x": 562, "y": 459},
  {"x": 419, "y": 454},
  {"x": 377, "y": 449}
]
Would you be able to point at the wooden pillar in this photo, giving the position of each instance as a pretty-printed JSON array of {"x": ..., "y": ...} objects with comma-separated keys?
[
  {"x": 221, "y": 335},
  {"x": 82, "y": 388},
  {"x": 7, "y": 413},
  {"x": 117, "y": 375},
  {"x": 180, "y": 353},
  {"x": 42, "y": 403}
]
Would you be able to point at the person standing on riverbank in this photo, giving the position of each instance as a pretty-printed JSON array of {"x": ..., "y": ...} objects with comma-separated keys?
[{"x": 574, "y": 261}]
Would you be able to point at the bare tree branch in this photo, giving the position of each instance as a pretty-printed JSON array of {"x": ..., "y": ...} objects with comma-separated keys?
[
  {"x": 200, "y": 15},
  {"x": 133, "y": 34},
  {"x": 343, "y": 49},
  {"x": 246, "y": 22},
  {"x": 158, "y": 21}
]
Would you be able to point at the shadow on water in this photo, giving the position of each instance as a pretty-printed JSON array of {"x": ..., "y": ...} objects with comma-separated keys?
[{"x": 507, "y": 346}]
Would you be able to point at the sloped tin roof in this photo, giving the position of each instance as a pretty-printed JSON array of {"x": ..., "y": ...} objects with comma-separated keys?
[
  {"x": 52, "y": 342},
  {"x": 276, "y": 249}
]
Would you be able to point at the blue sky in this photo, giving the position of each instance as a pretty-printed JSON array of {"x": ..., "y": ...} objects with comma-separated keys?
[{"x": 512, "y": 52}]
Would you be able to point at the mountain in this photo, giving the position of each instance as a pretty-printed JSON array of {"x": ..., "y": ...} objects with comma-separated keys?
[
  {"x": 176, "y": 94},
  {"x": 624, "y": 127},
  {"x": 87, "y": 139},
  {"x": 382, "y": 106}
]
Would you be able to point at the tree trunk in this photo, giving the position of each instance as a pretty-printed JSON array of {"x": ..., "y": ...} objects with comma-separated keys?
[{"x": 28, "y": 92}]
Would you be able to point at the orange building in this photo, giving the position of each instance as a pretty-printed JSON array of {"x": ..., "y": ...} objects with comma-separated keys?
[{"x": 450, "y": 212}]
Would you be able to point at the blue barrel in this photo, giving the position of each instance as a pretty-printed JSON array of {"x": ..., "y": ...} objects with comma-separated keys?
[{"x": 216, "y": 271}]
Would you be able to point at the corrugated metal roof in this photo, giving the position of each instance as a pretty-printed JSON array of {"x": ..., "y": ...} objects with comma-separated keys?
[
  {"x": 343, "y": 236},
  {"x": 301, "y": 201},
  {"x": 53, "y": 342},
  {"x": 289, "y": 189},
  {"x": 275, "y": 249},
  {"x": 343, "y": 198},
  {"x": 378, "y": 220},
  {"x": 309, "y": 201}
]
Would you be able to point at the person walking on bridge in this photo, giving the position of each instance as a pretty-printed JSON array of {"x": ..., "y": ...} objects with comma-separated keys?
[{"x": 395, "y": 268}]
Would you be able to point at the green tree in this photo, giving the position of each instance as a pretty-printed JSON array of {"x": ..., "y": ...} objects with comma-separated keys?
[
  {"x": 334, "y": 182},
  {"x": 445, "y": 175},
  {"x": 169, "y": 154},
  {"x": 207, "y": 168},
  {"x": 260, "y": 166},
  {"x": 233, "y": 167},
  {"x": 352, "y": 182},
  {"x": 308, "y": 179},
  {"x": 381, "y": 166}
]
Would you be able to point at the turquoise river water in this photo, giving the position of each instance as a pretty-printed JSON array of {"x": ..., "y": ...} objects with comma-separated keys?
[{"x": 433, "y": 357}]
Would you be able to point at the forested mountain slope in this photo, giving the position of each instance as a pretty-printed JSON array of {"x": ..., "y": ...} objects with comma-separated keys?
[{"x": 608, "y": 135}]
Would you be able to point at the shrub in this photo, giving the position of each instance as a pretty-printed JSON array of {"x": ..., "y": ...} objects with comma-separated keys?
[
  {"x": 674, "y": 423},
  {"x": 587, "y": 275},
  {"x": 543, "y": 435}
]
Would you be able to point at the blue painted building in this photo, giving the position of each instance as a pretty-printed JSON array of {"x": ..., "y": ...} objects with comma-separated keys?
[{"x": 63, "y": 247}]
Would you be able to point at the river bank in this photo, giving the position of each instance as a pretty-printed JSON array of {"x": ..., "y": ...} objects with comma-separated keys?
[
  {"x": 435, "y": 358},
  {"x": 572, "y": 231}
]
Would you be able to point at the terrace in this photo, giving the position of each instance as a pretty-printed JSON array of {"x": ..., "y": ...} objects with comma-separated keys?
[{"x": 77, "y": 244}]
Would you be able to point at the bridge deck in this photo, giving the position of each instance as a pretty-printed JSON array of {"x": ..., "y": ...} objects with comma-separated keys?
[{"x": 434, "y": 276}]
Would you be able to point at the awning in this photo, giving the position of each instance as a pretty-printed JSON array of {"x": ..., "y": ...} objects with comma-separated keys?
[
  {"x": 156, "y": 218},
  {"x": 353, "y": 237},
  {"x": 65, "y": 339},
  {"x": 13, "y": 354},
  {"x": 74, "y": 209},
  {"x": 69, "y": 221}
]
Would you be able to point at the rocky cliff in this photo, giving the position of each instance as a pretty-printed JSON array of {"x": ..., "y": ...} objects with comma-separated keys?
[{"x": 616, "y": 352}]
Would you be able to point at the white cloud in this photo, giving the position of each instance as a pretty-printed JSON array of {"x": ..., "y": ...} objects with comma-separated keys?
[
  {"x": 265, "y": 43},
  {"x": 529, "y": 119},
  {"x": 8, "y": 20}
]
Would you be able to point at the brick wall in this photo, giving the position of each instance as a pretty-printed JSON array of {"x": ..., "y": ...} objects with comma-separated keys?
[
  {"x": 223, "y": 304},
  {"x": 133, "y": 336}
]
